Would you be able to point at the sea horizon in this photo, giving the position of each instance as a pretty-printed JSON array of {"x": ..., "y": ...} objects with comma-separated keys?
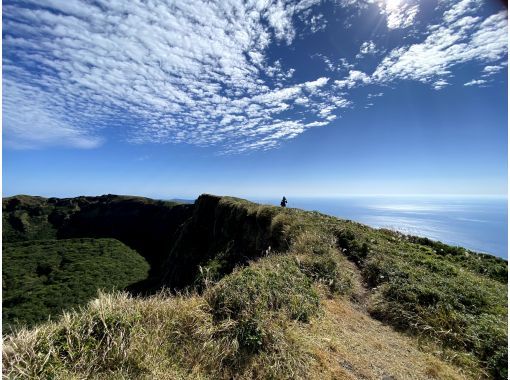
[{"x": 476, "y": 222}]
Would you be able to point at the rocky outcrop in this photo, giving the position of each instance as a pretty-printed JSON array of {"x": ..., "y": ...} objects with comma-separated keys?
[{"x": 221, "y": 228}]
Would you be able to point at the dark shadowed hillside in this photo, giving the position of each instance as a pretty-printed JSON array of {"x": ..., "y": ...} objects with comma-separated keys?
[{"x": 146, "y": 225}]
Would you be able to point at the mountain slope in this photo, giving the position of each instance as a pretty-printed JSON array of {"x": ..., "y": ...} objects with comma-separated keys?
[{"x": 264, "y": 277}]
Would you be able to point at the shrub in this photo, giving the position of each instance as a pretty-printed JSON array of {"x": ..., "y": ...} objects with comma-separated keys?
[
  {"x": 430, "y": 297},
  {"x": 250, "y": 296},
  {"x": 273, "y": 285},
  {"x": 489, "y": 340},
  {"x": 327, "y": 270},
  {"x": 351, "y": 246}
]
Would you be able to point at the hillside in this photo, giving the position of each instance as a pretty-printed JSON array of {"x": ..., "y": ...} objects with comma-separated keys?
[{"x": 264, "y": 292}]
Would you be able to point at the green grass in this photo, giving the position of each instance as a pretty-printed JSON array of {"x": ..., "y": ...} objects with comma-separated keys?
[
  {"x": 435, "y": 294},
  {"x": 43, "y": 278},
  {"x": 248, "y": 296}
]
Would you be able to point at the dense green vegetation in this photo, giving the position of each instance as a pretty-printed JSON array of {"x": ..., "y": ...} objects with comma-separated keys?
[
  {"x": 27, "y": 218},
  {"x": 259, "y": 270},
  {"x": 145, "y": 225},
  {"x": 45, "y": 277},
  {"x": 30, "y": 225}
]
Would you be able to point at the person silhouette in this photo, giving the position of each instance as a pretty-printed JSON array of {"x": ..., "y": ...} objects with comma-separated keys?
[{"x": 283, "y": 203}]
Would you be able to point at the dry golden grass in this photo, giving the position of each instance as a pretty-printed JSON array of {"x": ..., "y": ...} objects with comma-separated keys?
[
  {"x": 348, "y": 344},
  {"x": 176, "y": 337},
  {"x": 160, "y": 337}
]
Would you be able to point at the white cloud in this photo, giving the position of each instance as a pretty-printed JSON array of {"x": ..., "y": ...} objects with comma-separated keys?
[
  {"x": 440, "y": 84},
  {"x": 317, "y": 124},
  {"x": 340, "y": 64},
  {"x": 487, "y": 73},
  {"x": 302, "y": 100},
  {"x": 329, "y": 65},
  {"x": 326, "y": 111},
  {"x": 376, "y": 95},
  {"x": 460, "y": 9},
  {"x": 185, "y": 71},
  {"x": 200, "y": 72},
  {"x": 343, "y": 64},
  {"x": 475, "y": 82},
  {"x": 316, "y": 23},
  {"x": 31, "y": 122},
  {"x": 279, "y": 20},
  {"x": 491, "y": 70},
  {"x": 399, "y": 14},
  {"x": 340, "y": 102},
  {"x": 367, "y": 48},
  {"x": 313, "y": 85},
  {"x": 354, "y": 78},
  {"x": 458, "y": 39}
]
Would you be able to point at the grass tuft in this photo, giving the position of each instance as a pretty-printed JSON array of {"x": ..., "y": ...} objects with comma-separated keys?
[{"x": 275, "y": 284}]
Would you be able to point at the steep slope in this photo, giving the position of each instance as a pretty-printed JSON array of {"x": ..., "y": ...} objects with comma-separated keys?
[
  {"x": 147, "y": 226},
  {"x": 222, "y": 233}
]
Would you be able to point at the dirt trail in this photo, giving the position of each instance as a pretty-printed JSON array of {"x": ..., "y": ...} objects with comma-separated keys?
[
  {"x": 361, "y": 293},
  {"x": 347, "y": 344}
]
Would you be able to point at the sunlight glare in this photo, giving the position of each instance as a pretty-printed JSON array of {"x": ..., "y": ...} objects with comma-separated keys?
[{"x": 392, "y": 4}]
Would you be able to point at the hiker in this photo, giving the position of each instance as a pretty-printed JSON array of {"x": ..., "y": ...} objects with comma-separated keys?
[{"x": 283, "y": 203}]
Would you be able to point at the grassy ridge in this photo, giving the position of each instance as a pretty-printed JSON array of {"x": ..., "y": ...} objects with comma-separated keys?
[
  {"x": 449, "y": 295},
  {"x": 44, "y": 277},
  {"x": 250, "y": 321},
  {"x": 418, "y": 289},
  {"x": 259, "y": 322}
]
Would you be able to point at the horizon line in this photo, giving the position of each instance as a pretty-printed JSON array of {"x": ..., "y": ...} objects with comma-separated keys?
[{"x": 329, "y": 196}]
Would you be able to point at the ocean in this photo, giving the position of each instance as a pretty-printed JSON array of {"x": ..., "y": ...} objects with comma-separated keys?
[{"x": 476, "y": 223}]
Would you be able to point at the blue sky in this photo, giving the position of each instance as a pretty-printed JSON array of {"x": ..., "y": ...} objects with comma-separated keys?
[{"x": 254, "y": 98}]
